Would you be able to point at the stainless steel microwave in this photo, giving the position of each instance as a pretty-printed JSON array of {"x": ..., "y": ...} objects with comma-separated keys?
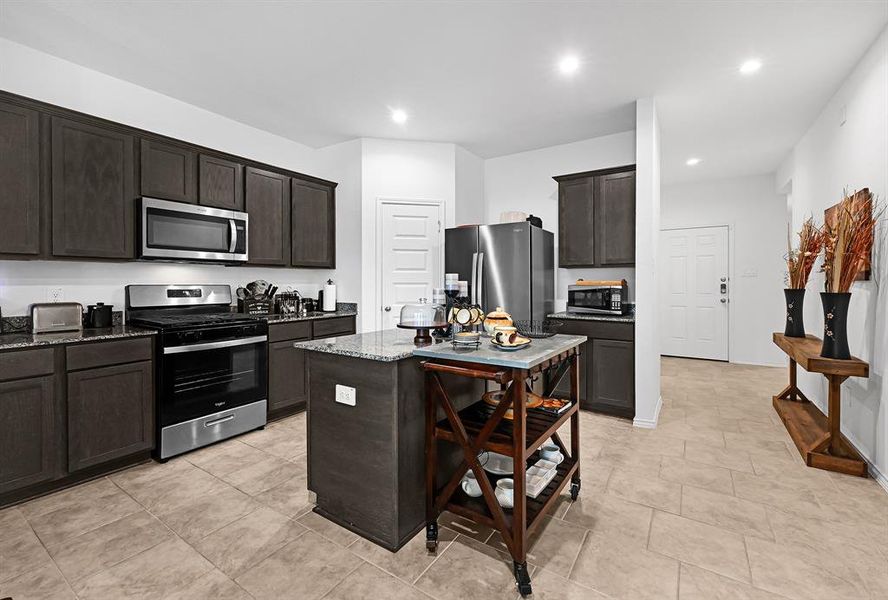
[
  {"x": 607, "y": 298},
  {"x": 180, "y": 231}
]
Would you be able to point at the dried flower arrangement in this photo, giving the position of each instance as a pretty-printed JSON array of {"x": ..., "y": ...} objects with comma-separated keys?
[
  {"x": 800, "y": 261},
  {"x": 848, "y": 239}
]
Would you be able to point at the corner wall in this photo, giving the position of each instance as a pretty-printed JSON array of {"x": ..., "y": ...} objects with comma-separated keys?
[
  {"x": 647, "y": 242},
  {"x": 833, "y": 156},
  {"x": 756, "y": 217}
]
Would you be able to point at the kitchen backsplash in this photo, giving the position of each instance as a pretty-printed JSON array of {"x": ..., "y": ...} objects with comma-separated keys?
[{"x": 23, "y": 283}]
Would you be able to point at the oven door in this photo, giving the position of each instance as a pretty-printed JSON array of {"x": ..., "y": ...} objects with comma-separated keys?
[
  {"x": 205, "y": 378},
  {"x": 590, "y": 300},
  {"x": 177, "y": 230}
]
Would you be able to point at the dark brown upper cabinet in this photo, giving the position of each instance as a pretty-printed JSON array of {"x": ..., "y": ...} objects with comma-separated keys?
[
  {"x": 268, "y": 204},
  {"x": 92, "y": 191},
  {"x": 19, "y": 180},
  {"x": 169, "y": 171},
  {"x": 313, "y": 230},
  {"x": 616, "y": 217},
  {"x": 221, "y": 183},
  {"x": 596, "y": 218}
]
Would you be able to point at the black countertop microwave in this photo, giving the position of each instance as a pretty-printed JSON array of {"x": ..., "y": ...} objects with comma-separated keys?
[{"x": 605, "y": 298}]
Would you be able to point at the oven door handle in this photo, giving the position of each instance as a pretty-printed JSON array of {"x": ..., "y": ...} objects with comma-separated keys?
[
  {"x": 214, "y": 345},
  {"x": 232, "y": 227}
]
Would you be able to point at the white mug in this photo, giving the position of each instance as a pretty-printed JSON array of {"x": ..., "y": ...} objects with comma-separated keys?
[
  {"x": 552, "y": 453},
  {"x": 505, "y": 492},
  {"x": 470, "y": 485}
]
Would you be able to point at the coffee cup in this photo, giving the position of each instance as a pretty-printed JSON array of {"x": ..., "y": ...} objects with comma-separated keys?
[
  {"x": 505, "y": 334},
  {"x": 552, "y": 453},
  {"x": 505, "y": 492},
  {"x": 470, "y": 485}
]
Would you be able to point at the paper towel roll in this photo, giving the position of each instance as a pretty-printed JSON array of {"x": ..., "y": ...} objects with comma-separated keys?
[{"x": 329, "y": 296}]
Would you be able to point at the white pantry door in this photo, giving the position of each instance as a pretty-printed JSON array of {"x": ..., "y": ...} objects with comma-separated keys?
[
  {"x": 694, "y": 286},
  {"x": 411, "y": 240}
]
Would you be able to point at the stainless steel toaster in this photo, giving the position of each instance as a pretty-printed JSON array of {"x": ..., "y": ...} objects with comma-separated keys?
[{"x": 56, "y": 316}]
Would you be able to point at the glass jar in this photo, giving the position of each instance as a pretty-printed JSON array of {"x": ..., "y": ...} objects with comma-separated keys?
[{"x": 423, "y": 314}]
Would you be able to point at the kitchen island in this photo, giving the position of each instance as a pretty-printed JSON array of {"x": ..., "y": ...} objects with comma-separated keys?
[{"x": 367, "y": 431}]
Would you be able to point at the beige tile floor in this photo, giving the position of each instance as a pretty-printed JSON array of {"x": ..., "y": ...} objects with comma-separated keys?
[{"x": 713, "y": 504}]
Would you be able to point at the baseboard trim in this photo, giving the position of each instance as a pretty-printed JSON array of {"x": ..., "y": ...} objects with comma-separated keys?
[
  {"x": 649, "y": 423},
  {"x": 878, "y": 476}
]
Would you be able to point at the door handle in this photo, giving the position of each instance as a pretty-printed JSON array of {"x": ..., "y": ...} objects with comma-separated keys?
[
  {"x": 479, "y": 300},
  {"x": 232, "y": 227},
  {"x": 724, "y": 300},
  {"x": 474, "y": 281},
  {"x": 219, "y": 421},
  {"x": 387, "y": 309}
]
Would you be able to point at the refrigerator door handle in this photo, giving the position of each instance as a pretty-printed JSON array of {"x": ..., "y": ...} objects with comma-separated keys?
[
  {"x": 474, "y": 281},
  {"x": 480, "y": 296}
]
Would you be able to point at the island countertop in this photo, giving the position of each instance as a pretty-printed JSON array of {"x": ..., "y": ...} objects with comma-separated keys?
[{"x": 388, "y": 345}]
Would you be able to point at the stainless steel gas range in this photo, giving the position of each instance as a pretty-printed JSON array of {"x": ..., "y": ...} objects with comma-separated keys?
[{"x": 212, "y": 364}]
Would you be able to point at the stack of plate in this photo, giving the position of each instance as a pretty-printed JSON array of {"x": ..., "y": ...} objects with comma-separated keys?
[{"x": 466, "y": 339}]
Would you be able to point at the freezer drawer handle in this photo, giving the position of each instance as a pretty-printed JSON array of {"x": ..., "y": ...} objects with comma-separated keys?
[{"x": 219, "y": 421}]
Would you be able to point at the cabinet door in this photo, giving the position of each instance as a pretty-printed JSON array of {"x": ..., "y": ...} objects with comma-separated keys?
[
  {"x": 268, "y": 204},
  {"x": 110, "y": 413},
  {"x": 615, "y": 222},
  {"x": 29, "y": 437},
  {"x": 286, "y": 376},
  {"x": 19, "y": 180},
  {"x": 221, "y": 183},
  {"x": 92, "y": 191},
  {"x": 576, "y": 222},
  {"x": 610, "y": 373},
  {"x": 313, "y": 225},
  {"x": 169, "y": 171}
]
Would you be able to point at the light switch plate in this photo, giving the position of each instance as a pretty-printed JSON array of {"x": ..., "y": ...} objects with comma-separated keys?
[{"x": 346, "y": 395}]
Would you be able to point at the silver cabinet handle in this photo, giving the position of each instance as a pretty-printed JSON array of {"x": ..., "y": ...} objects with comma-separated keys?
[
  {"x": 214, "y": 345},
  {"x": 232, "y": 227}
]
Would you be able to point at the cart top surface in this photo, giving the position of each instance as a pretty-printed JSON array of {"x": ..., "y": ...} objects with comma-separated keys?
[{"x": 538, "y": 351}]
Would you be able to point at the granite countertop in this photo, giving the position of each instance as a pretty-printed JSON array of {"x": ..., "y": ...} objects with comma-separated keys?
[
  {"x": 538, "y": 351},
  {"x": 312, "y": 316},
  {"x": 12, "y": 341},
  {"x": 572, "y": 316},
  {"x": 387, "y": 345}
]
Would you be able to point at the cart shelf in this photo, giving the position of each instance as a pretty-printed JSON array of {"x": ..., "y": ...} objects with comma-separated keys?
[{"x": 539, "y": 427}]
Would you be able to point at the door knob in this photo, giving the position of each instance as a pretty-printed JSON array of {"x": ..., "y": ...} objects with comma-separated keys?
[
  {"x": 388, "y": 309},
  {"x": 724, "y": 300}
]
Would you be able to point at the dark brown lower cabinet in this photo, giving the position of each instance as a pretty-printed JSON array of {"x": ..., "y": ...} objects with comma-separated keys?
[
  {"x": 29, "y": 433},
  {"x": 607, "y": 377},
  {"x": 110, "y": 413},
  {"x": 286, "y": 377}
]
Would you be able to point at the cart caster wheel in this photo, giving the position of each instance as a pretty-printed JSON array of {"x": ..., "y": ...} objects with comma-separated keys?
[
  {"x": 522, "y": 579},
  {"x": 574, "y": 490},
  {"x": 432, "y": 537}
]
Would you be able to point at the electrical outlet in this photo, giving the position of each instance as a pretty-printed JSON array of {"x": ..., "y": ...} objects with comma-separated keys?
[
  {"x": 55, "y": 295},
  {"x": 345, "y": 395}
]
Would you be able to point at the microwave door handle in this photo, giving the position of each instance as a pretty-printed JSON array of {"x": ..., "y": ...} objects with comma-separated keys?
[
  {"x": 474, "y": 280},
  {"x": 232, "y": 228}
]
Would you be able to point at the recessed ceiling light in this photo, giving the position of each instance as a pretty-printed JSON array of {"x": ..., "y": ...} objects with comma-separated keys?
[
  {"x": 750, "y": 66},
  {"x": 691, "y": 162},
  {"x": 569, "y": 64},
  {"x": 399, "y": 116}
]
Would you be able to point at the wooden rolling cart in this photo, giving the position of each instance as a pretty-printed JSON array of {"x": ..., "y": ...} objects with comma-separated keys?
[
  {"x": 818, "y": 437},
  {"x": 480, "y": 427}
]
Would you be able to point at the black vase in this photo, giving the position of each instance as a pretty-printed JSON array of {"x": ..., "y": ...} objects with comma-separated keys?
[
  {"x": 795, "y": 325},
  {"x": 835, "y": 325}
]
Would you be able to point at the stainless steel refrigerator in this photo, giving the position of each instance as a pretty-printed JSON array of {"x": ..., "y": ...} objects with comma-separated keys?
[{"x": 510, "y": 265}]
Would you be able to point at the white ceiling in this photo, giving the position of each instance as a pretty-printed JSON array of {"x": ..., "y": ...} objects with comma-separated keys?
[{"x": 480, "y": 74}]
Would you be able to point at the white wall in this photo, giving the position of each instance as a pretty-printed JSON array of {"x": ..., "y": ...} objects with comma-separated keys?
[
  {"x": 647, "y": 235},
  {"x": 829, "y": 158},
  {"x": 523, "y": 182},
  {"x": 392, "y": 169},
  {"x": 469, "y": 188},
  {"x": 41, "y": 76},
  {"x": 756, "y": 216}
]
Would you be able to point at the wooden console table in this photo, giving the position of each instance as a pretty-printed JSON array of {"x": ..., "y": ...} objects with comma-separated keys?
[{"x": 818, "y": 437}]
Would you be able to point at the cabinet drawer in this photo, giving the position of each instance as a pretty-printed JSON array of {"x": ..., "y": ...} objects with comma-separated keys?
[
  {"x": 26, "y": 363},
  {"x": 298, "y": 330},
  {"x": 333, "y": 327},
  {"x": 99, "y": 354},
  {"x": 598, "y": 329}
]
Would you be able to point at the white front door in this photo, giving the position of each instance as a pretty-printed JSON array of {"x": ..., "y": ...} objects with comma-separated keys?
[
  {"x": 694, "y": 290},
  {"x": 411, "y": 240}
]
